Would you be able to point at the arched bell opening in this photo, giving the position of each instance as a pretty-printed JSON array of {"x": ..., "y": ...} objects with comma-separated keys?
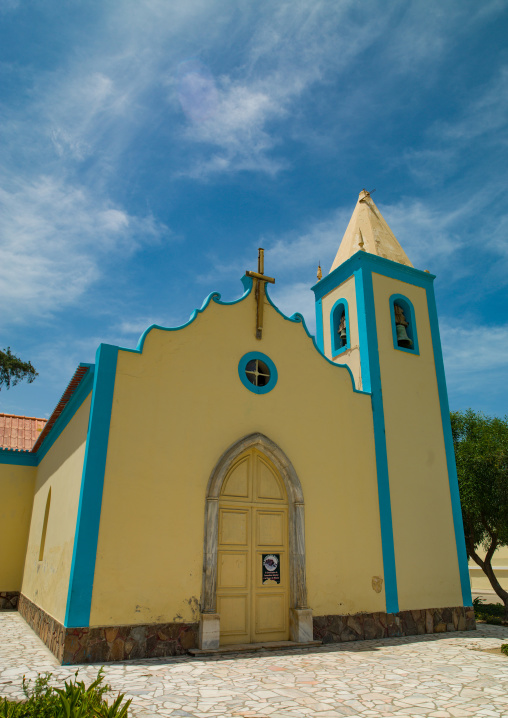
[
  {"x": 404, "y": 332},
  {"x": 339, "y": 327},
  {"x": 300, "y": 617}
]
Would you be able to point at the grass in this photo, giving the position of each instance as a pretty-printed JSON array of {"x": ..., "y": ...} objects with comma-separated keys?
[{"x": 74, "y": 700}]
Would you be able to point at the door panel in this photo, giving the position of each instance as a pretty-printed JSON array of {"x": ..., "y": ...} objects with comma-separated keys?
[
  {"x": 237, "y": 484},
  {"x": 270, "y": 616},
  {"x": 234, "y": 527},
  {"x": 253, "y": 602},
  {"x": 271, "y": 528},
  {"x": 234, "y": 618},
  {"x": 233, "y": 570},
  {"x": 268, "y": 485}
]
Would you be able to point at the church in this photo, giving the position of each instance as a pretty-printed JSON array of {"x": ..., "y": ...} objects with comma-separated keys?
[{"x": 238, "y": 482}]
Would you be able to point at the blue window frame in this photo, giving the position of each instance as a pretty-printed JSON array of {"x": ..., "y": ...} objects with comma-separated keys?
[
  {"x": 257, "y": 372},
  {"x": 339, "y": 327},
  {"x": 405, "y": 336}
]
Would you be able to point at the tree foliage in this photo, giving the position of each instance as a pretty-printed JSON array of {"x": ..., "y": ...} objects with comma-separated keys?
[
  {"x": 481, "y": 453},
  {"x": 14, "y": 370}
]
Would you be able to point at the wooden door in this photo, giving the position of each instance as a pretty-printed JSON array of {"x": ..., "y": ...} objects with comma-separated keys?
[{"x": 253, "y": 561}]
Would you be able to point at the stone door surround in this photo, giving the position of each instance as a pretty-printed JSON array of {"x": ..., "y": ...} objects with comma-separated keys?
[{"x": 300, "y": 616}]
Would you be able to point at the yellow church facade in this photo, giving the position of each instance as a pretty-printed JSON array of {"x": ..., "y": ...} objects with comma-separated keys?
[{"x": 238, "y": 481}]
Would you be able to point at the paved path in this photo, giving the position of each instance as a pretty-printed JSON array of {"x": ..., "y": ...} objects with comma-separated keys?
[{"x": 439, "y": 676}]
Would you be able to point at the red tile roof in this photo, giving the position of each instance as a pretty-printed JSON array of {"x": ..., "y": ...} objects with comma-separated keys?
[
  {"x": 20, "y": 432},
  {"x": 64, "y": 400}
]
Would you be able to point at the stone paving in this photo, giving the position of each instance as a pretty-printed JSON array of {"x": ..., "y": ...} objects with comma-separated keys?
[{"x": 448, "y": 675}]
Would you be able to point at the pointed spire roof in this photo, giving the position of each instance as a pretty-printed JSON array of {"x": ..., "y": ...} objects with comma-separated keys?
[{"x": 368, "y": 231}]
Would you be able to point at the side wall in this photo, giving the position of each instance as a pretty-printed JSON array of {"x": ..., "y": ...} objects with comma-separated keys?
[
  {"x": 16, "y": 498},
  {"x": 176, "y": 408},
  {"x": 46, "y": 582},
  {"x": 425, "y": 548}
]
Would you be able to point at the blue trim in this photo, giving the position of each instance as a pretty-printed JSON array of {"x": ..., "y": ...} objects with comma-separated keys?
[
  {"x": 369, "y": 332},
  {"x": 18, "y": 458},
  {"x": 363, "y": 341},
  {"x": 213, "y": 296},
  {"x": 298, "y": 318},
  {"x": 334, "y": 326},
  {"x": 356, "y": 265},
  {"x": 412, "y": 333},
  {"x": 242, "y": 364},
  {"x": 450, "y": 452},
  {"x": 320, "y": 340},
  {"x": 383, "y": 266},
  {"x": 79, "y": 597}
]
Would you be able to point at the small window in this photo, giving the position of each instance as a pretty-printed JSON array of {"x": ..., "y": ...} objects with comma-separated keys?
[
  {"x": 257, "y": 372},
  {"x": 403, "y": 324},
  {"x": 45, "y": 527},
  {"x": 339, "y": 327}
]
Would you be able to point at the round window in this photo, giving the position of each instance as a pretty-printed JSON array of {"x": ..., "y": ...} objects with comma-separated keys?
[{"x": 257, "y": 372}]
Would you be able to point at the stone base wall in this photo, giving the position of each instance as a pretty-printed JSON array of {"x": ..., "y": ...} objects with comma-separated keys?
[
  {"x": 9, "y": 600},
  {"x": 365, "y": 626},
  {"x": 118, "y": 643},
  {"x": 108, "y": 643},
  {"x": 49, "y": 630}
]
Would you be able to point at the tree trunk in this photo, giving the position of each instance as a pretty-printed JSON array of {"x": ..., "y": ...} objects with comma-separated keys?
[{"x": 487, "y": 569}]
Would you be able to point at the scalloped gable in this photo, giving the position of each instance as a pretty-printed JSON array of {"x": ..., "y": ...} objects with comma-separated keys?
[{"x": 214, "y": 298}]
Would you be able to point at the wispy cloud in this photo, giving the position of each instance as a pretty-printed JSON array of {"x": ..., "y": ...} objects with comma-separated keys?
[
  {"x": 485, "y": 114},
  {"x": 316, "y": 242},
  {"x": 56, "y": 241},
  {"x": 236, "y": 129},
  {"x": 476, "y": 362}
]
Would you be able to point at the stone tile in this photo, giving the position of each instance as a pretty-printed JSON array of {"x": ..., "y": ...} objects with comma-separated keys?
[{"x": 432, "y": 674}]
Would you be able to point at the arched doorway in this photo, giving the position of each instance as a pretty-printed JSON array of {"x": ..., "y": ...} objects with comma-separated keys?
[
  {"x": 254, "y": 502},
  {"x": 252, "y": 553}
]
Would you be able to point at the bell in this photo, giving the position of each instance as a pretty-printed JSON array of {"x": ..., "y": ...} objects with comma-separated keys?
[
  {"x": 402, "y": 338},
  {"x": 343, "y": 336}
]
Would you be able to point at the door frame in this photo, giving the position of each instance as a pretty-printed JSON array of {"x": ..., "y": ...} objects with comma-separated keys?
[{"x": 300, "y": 619}]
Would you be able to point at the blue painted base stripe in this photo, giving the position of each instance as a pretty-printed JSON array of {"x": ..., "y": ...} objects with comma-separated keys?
[
  {"x": 79, "y": 598},
  {"x": 367, "y": 317},
  {"x": 450, "y": 451}
]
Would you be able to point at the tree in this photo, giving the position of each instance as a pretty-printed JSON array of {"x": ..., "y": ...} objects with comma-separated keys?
[
  {"x": 481, "y": 453},
  {"x": 14, "y": 370}
]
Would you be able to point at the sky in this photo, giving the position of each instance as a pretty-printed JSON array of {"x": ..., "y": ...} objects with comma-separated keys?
[{"x": 150, "y": 147}]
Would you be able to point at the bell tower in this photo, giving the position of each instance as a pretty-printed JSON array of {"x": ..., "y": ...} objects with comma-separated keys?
[{"x": 377, "y": 314}]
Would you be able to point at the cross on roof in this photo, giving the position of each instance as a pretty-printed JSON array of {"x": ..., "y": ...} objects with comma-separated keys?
[{"x": 261, "y": 279}]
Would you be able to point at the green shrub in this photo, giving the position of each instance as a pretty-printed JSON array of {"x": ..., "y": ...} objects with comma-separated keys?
[
  {"x": 504, "y": 648},
  {"x": 72, "y": 701},
  {"x": 489, "y": 612}
]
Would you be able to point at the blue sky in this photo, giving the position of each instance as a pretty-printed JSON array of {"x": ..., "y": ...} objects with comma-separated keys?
[{"x": 150, "y": 147}]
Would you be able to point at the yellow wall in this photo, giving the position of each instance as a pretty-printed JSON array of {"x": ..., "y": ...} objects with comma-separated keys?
[
  {"x": 46, "y": 582},
  {"x": 425, "y": 549},
  {"x": 351, "y": 356},
  {"x": 16, "y": 496},
  {"x": 176, "y": 409}
]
